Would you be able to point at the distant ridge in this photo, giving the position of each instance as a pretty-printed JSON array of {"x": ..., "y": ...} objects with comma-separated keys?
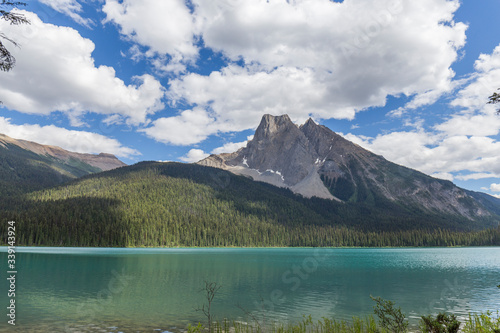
[
  {"x": 27, "y": 166},
  {"x": 103, "y": 161}
]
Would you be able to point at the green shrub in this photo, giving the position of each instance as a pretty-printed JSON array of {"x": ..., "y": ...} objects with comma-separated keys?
[
  {"x": 390, "y": 318},
  {"x": 482, "y": 323},
  {"x": 195, "y": 329},
  {"x": 443, "y": 323}
]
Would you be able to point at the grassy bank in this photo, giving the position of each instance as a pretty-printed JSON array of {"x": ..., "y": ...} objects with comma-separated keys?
[
  {"x": 476, "y": 323},
  {"x": 390, "y": 319}
]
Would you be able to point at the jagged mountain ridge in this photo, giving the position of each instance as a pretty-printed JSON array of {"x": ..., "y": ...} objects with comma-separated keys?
[{"x": 312, "y": 160}]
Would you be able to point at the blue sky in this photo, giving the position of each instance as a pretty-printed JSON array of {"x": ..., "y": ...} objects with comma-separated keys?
[{"x": 177, "y": 80}]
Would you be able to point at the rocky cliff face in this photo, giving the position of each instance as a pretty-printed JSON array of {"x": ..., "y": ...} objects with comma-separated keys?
[{"x": 312, "y": 160}]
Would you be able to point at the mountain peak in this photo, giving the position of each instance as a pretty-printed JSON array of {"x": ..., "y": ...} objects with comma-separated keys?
[
  {"x": 309, "y": 126},
  {"x": 312, "y": 160},
  {"x": 270, "y": 125},
  {"x": 269, "y": 118},
  {"x": 310, "y": 122}
]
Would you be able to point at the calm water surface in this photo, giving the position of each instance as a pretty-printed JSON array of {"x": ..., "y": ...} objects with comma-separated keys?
[{"x": 156, "y": 290}]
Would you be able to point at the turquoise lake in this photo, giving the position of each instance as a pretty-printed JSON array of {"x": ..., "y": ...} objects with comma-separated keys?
[{"x": 157, "y": 290}]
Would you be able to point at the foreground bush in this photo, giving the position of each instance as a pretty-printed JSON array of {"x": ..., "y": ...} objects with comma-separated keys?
[
  {"x": 443, "y": 323},
  {"x": 358, "y": 325},
  {"x": 482, "y": 323},
  {"x": 390, "y": 320}
]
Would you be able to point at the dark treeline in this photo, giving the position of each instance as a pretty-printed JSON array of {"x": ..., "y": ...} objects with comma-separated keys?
[{"x": 158, "y": 204}]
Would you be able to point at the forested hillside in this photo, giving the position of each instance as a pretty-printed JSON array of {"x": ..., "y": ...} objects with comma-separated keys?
[
  {"x": 27, "y": 166},
  {"x": 22, "y": 171},
  {"x": 173, "y": 204}
]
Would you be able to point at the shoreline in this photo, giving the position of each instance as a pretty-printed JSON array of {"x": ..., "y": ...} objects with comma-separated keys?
[{"x": 250, "y": 247}]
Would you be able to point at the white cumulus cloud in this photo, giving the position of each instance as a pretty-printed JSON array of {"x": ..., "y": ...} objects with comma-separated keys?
[
  {"x": 318, "y": 58},
  {"x": 486, "y": 81},
  {"x": 194, "y": 155},
  {"x": 63, "y": 77},
  {"x": 465, "y": 146},
  {"x": 305, "y": 57},
  {"x": 166, "y": 28},
  {"x": 443, "y": 175},
  {"x": 495, "y": 187},
  {"x": 238, "y": 97},
  {"x": 71, "y": 8},
  {"x": 187, "y": 128},
  {"x": 435, "y": 153},
  {"x": 229, "y": 147},
  {"x": 76, "y": 141},
  {"x": 477, "y": 175}
]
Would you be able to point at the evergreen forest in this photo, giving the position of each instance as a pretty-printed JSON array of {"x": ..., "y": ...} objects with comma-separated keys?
[{"x": 174, "y": 204}]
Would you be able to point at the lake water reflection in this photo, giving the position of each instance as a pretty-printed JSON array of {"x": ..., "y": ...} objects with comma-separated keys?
[{"x": 130, "y": 290}]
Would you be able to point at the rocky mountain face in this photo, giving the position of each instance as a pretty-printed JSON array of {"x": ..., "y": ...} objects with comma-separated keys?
[{"x": 312, "y": 160}]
